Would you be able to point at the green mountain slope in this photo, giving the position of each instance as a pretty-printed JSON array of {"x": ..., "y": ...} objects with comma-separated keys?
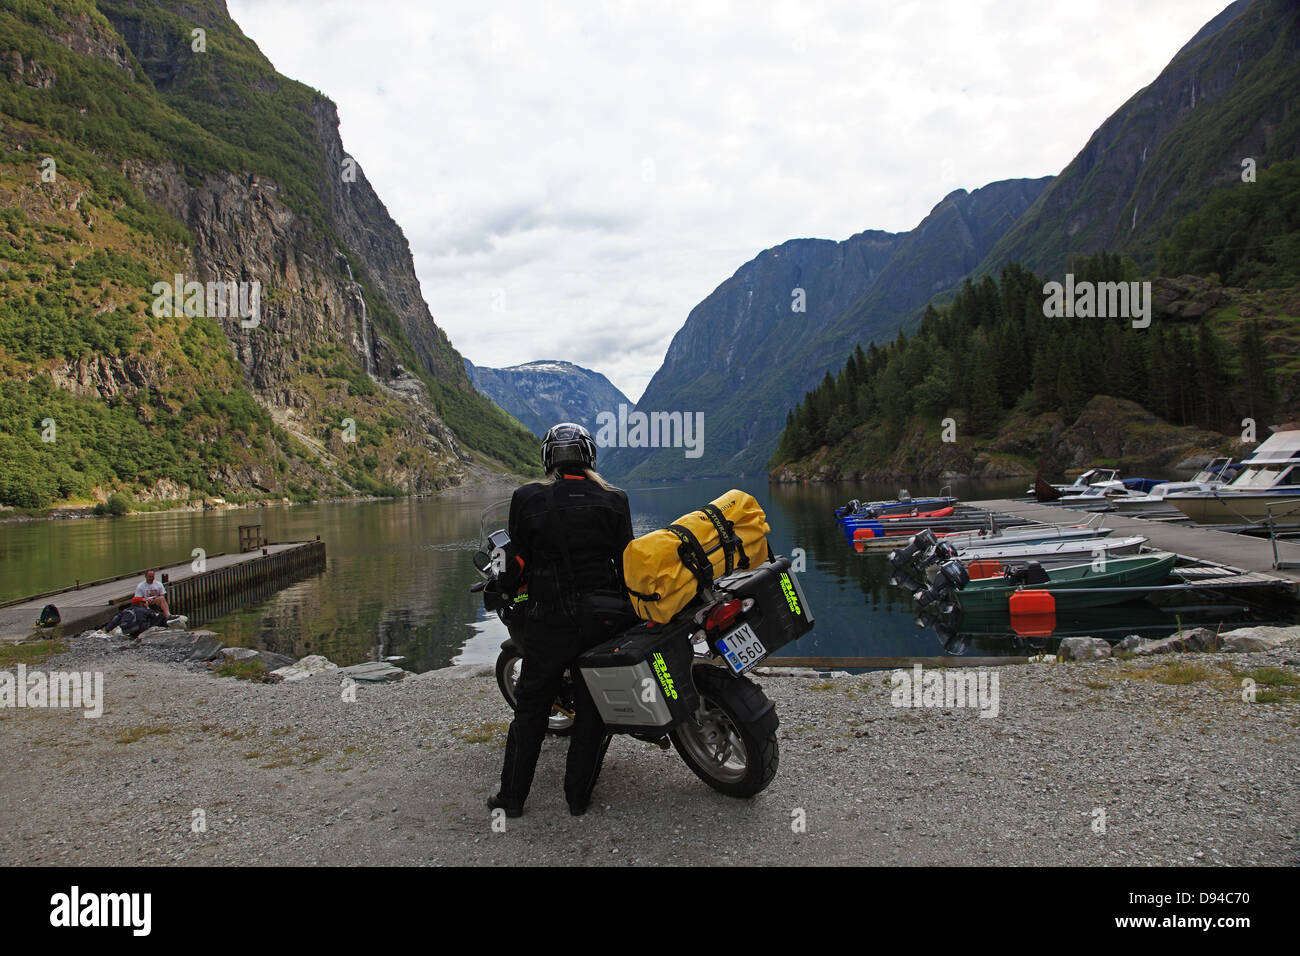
[
  {"x": 746, "y": 353},
  {"x": 1227, "y": 96},
  {"x": 131, "y": 152}
]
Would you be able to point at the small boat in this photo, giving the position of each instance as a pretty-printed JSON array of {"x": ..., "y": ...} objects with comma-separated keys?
[
  {"x": 1073, "y": 586},
  {"x": 1217, "y": 474},
  {"x": 1093, "y": 476},
  {"x": 901, "y": 505},
  {"x": 1269, "y": 478},
  {"x": 1052, "y": 553}
]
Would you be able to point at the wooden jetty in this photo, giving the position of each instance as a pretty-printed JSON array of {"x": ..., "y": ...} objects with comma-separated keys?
[
  {"x": 1237, "y": 553},
  {"x": 225, "y": 582}
]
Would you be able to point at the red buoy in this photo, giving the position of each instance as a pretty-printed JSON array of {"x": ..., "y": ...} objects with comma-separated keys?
[{"x": 1032, "y": 602}]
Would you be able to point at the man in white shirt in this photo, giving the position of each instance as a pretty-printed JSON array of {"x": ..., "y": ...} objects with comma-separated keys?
[{"x": 152, "y": 592}]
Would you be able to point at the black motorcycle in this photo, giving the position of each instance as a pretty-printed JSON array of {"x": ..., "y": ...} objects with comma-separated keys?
[{"x": 684, "y": 681}]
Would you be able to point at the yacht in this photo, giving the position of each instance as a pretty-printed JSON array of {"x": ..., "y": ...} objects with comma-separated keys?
[
  {"x": 1270, "y": 476},
  {"x": 1217, "y": 474}
]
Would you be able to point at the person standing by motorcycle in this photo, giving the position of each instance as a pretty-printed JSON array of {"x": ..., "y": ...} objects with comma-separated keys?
[{"x": 570, "y": 530}]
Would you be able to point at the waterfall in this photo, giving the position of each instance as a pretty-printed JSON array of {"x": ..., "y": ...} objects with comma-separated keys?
[{"x": 365, "y": 321}]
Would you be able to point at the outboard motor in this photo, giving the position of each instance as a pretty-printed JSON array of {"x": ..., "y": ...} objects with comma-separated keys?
[
  {"x": 1031, "y": 572},
  {"x": 952, "y": 576},
  {"x": 919, "y": 547}
]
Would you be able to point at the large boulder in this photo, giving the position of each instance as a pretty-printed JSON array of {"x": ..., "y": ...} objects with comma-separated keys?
[
  {"x": 1197, "y": 639},
  {"x": 185, "y": 645},
  {"x": 1083, "y": 649},
  {"x": 1245, "y": 640},
  {"x": 1129, "y": 645},
  {"x": 309, "y": 666},
  {"x": 373, "y": 672}
]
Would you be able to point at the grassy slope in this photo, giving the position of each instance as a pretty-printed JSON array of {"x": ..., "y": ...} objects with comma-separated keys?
[{"x": 78, "y": 256}]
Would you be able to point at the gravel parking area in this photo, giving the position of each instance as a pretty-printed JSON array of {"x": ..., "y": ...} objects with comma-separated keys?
[{"x": 1139, "y": 761}]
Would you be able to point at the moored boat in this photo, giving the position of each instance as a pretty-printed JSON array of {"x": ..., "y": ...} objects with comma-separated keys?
[
  {"x": 1073, "y": 586},
  {"x": 1270, "y": 478}
]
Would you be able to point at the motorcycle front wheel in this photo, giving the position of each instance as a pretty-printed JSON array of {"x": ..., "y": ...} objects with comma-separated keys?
[
  {"x": 722, "y": 743},
  {"x": 509, "y": 663}
]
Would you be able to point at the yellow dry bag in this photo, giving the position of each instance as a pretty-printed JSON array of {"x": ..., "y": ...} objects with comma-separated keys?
[{"x": 665, "y": 569}]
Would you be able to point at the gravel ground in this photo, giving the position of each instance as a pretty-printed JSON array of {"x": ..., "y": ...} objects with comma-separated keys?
[{"x": 1185, "y": 773}]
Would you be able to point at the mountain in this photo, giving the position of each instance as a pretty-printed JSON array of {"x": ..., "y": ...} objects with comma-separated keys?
[
  {"x": 746, "y": 354},
  {"x": 539, "y": 394},
  {"x": 1227, "y": 96},
  {"x": 142, "y": 141}
]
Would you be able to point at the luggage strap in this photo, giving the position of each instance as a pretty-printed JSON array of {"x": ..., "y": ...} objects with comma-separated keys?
[
  {"x": 693, "y": 555},
  {"x": 728, "y": 538}
]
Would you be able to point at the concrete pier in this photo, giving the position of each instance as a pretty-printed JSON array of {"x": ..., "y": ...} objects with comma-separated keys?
[{"x": 221, "y": 583}]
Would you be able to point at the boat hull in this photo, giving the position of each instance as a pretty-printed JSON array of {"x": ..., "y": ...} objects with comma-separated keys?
[
  {"x": 1070, "y": 585},
  {"x": 1232, "y": 508}
]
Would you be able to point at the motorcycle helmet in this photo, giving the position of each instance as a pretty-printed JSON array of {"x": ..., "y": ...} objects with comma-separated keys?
[{"x": 567, "y": 443}]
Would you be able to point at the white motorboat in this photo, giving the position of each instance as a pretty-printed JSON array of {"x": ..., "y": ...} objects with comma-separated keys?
[
  {"x": 1217, "y": 474},
  {"x": 1269, "y": 477}
]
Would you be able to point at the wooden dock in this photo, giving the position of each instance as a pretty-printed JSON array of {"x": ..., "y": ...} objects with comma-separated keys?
[
  {"x": 1236, "y": 552},
  {"x": 226, "y": 581}
]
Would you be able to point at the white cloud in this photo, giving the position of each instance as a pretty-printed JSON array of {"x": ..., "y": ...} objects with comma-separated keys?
[{"x": 599, "y": 169}]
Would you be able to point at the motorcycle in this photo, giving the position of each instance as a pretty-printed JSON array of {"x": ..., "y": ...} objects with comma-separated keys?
[{"x": 723, "y": 726}]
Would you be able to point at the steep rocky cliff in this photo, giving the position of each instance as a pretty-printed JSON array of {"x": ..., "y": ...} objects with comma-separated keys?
[
  {"x": 749, "y": 351},
  {"x": 1229, "y": 95},
  {"x": 146, "y": 140}
]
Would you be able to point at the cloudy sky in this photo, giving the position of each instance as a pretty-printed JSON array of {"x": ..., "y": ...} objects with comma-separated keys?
[{"x": 574, "y": 177}]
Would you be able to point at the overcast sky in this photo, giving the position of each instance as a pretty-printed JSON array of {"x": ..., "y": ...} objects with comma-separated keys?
[{"x": 574, "y": 177}]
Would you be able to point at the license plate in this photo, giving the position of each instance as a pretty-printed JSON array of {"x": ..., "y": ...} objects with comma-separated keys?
[{"x": 742, "y": 648}]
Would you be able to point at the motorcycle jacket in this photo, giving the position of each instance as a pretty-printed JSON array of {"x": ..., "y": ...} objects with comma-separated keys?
[{"x": 570, "y": 534}]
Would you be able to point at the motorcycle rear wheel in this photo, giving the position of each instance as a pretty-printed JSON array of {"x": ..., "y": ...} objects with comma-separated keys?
[
  {"x": 509, "y": 663},
  {"x": 731, "y": 754}
]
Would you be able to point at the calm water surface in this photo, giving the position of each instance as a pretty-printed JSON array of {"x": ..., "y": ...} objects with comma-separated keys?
[{"x": 399, "y": 572}]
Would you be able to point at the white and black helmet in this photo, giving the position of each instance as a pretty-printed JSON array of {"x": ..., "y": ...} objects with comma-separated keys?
[{"x": 568, "y": 443}]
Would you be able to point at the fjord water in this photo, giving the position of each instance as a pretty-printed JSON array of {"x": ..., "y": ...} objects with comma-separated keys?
[{"x": 399, "y": 572}]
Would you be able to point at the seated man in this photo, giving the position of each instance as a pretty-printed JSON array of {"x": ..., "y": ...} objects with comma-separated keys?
[{"x": 151, "y": 592}]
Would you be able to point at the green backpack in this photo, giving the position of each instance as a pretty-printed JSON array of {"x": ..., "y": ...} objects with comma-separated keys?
[{"x": 49, "y": 617}]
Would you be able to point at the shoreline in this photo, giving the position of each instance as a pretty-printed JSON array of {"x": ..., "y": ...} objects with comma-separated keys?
[
  {"x": 79, "y": 512},
  {"x": 1179, "y": 771}
]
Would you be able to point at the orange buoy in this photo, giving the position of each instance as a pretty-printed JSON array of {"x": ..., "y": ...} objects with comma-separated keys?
[{"x": 1032, "y": 602}]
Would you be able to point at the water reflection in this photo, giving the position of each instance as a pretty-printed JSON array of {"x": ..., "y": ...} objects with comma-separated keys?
[{"x": 398, "y": 575}]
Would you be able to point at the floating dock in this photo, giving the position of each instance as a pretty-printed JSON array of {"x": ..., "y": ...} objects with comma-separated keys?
[
  {"x": 1242, "y": 559},
  {"x": 226, "y": 581}
]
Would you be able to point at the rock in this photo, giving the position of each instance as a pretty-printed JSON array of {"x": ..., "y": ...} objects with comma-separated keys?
[
  {"x": 309, "y": 666},
  {"x": 373, "y": 672},
  {"x": 239, "y": 653},
  {"x": 457, "y": 672},
  {"x": 179, "y": 623},
  {"x": 189, "y": 645},
  {"x": 1247, "y": 639},
  {"x": 1198, "y": 639},
  {"x": 274, "y": 661},
  {"x": 1129, "y": 645},
  {"x": 1083, "y": 649}
]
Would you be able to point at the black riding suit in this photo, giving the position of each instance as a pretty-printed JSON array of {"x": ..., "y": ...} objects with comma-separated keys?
[{"x": 595, "y": 524}]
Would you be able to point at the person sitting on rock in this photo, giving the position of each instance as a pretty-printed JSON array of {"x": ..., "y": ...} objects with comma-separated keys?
[{"x": 152, "y": 593}]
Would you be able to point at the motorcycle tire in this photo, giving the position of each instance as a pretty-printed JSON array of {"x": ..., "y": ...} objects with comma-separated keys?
[
  {"x": 730, "y": 742},
  {"x": 508, "y": 663}
]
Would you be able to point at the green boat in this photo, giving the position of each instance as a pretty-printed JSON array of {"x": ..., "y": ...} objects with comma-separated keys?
[{"x": 1078, "y": 585}]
